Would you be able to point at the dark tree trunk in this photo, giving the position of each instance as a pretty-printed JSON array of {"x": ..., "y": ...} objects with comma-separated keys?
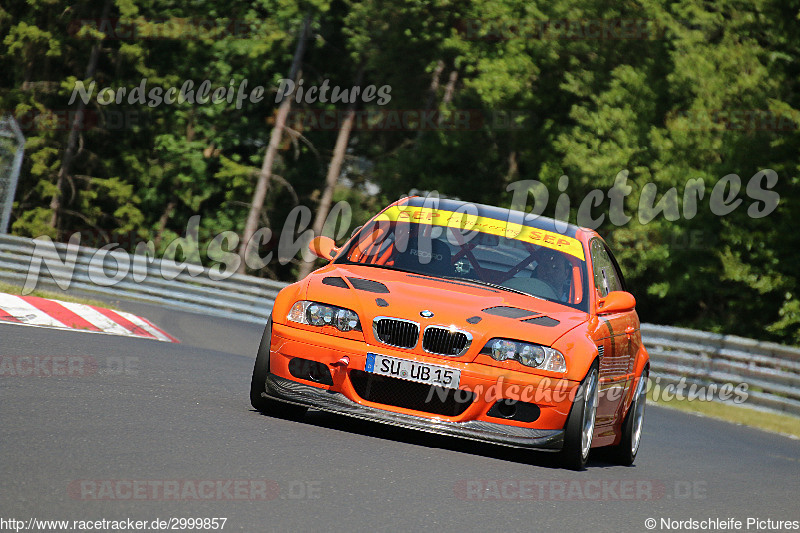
[
  {"x": 74, "y": 132},
  {"x": 264, "y": 177}
]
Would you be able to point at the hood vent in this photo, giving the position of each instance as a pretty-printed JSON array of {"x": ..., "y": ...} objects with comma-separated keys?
[
  {"x": 334, "y": 281},
  {"x": 368, "y": 285},
  {"x": 508, "y": 312},
  {"x": 543, "y": 321}
]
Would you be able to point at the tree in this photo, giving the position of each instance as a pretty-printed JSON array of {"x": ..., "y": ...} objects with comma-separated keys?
[{"x": 272, "y": 149}]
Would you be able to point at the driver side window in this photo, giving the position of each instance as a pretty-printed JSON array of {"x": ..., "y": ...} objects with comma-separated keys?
[{"x": 606, "y": 276}]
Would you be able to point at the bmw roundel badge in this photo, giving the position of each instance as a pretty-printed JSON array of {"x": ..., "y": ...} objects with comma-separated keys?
[{"x": 425, "y": 314}]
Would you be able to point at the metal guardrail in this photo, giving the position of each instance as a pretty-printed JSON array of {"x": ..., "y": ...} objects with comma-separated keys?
[
  {"x": 772, "y": 371},
  {"x": 161, "y": 282}
]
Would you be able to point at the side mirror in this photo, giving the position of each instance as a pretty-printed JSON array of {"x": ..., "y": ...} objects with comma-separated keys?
[
  {"x": 323, "y": 247},
  {"x": 617, "y": 302}
]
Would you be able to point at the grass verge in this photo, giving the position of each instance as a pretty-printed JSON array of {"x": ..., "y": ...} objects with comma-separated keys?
[{"x": 775, "y": 422}]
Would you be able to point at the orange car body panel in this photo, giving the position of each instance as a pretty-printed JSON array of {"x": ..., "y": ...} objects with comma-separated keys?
[{"x": 613, "y": 339}]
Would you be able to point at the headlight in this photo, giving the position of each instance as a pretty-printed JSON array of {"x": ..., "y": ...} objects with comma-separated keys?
[
  {"x": 317, "y": 314},
  {"x": 532, "y": 355}
]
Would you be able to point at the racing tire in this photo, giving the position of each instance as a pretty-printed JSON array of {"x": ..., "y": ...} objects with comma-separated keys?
[
  {"x": 625, "y": 452},
  {"x": 260, "y": 403},
  {"x": 579, "y": 429}
]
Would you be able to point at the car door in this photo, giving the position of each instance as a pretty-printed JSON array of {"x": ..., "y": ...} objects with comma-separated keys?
[{"x": 615, "y": 335}]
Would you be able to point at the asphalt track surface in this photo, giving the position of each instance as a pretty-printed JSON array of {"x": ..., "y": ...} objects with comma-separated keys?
[{"x": 155, "y": 411}]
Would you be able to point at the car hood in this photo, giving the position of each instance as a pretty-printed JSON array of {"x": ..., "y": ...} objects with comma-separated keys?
[{"x": 484, "y": 312}]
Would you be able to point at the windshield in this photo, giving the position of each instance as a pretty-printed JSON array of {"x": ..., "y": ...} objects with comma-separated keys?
[{"x": 527, "y": 262}]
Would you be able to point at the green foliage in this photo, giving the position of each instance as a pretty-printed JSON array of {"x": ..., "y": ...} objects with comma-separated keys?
[{"x": 544, "y": 98}]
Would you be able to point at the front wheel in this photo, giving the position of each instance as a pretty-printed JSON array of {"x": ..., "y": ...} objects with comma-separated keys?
[
  {"x": 259, "y": 402},
  {"x": 625, "y": 452},
  {"x": 579, "y": 430}
]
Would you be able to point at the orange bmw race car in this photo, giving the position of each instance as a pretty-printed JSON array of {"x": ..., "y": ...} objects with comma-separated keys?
[{"x": 464, "y": 320}]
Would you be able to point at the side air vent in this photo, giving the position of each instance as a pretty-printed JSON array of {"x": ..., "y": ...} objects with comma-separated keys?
[
  {"x": 310, "y": 371},
  {"x": 543, "y": 321},
  {"x": 515, "y": 410},
  {"x": 508, "y": 312},
  {"x": 396, "y": 332},
  {"x": 334, "y": 281},
  {"x": 368, "y": 285}
]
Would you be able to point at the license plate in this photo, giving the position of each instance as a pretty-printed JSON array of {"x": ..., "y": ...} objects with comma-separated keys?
[{"x": 439, "y": 376}]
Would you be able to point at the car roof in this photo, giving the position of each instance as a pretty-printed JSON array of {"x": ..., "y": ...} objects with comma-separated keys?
[{"x": 497, "y": 213}]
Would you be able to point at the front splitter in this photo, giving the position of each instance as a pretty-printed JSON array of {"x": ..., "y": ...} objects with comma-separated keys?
[{"x": 285, "y": 390}]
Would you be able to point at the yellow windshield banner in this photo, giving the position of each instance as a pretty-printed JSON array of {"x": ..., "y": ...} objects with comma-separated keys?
[{"x": 467, "y": 222}]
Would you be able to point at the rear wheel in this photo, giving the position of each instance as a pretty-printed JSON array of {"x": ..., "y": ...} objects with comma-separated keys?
[
  {"x": 579, "y": 430},
  {"x": 260, "y": 403},
  {"x": 625, "y": 452}
]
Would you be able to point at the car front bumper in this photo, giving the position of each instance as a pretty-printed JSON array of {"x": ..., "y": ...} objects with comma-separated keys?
[{"x": 290, "y": 391}]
